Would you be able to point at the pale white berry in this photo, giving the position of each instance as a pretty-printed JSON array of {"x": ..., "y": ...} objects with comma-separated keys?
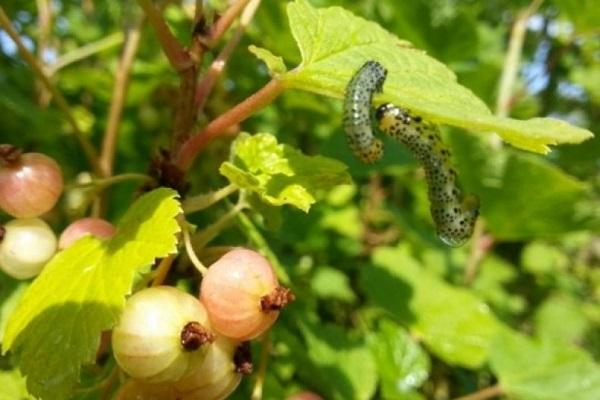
[
  {"x": 163, "y": 333},
  {"x": 26, "y": 246}
]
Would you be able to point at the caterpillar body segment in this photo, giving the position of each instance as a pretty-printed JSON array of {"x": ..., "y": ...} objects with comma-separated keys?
[
  {"x": 366, "y": 81},
  {"x": 454, "y": 216}
]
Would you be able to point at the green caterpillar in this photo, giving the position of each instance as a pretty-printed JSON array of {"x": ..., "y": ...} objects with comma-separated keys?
[
  {"x": 357, "y": 106},
  {"x": 453, "y": 215}
]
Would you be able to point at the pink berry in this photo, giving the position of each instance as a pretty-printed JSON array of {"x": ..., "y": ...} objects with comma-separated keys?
[
  {"x": 305, "y": 396},
  {"x": 30, "y": 183},
  {"x": 242, "y": 295},
  {"x": 97, "y": 227}
]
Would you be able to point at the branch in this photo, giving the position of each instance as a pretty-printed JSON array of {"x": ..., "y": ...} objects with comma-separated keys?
[
  {"x": 107, "y": 154},
  {"x": 513, "y": 58},
  {"x": 483, "y": 394},
  {"x": 218, "y": 65},
  {"x": 177, "y": 55},
  {"x": 224, "y": 22},
  {"x": 481, "y": 245},
  {"x": 30, "y": 59},
  {"x": 45, "y": 29},
  {"x": 190, "y": 149}
]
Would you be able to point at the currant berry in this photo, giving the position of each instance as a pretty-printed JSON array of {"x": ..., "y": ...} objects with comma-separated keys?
[
  {"x": 30, "y": 183},
  {"x": 97, "y": 227},
  {"x": 242, "y": 295},
  {"x": 140, "y": 390},
  {"x": 305, "y": 396},
  {"x": 26, "y": 245},
  {"x": 163, "y": 333},
  {"x": 217, "y": 376}
]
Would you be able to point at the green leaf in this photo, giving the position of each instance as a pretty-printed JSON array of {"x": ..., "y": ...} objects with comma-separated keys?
[
  {"x": 12, "y": 386},
  {"x": 452, "y": 322},
  {"x": 11, "y": 292},
  {"x": 546, "y": 370},
  {"x": 334, "y": 43},
  {"x": 331, "y": 283},
  {"x": 344, "y": 367},
  {"x": 522, "y": 195},
  {"x": 274, "y": 63},
  {"x": 402, "y": 364},
  {"x": 540, "y": 258},
  {"x": 280, "y": 174},
  {"x": 562, "y": 319},
  {"x": 81, "y": 292}
]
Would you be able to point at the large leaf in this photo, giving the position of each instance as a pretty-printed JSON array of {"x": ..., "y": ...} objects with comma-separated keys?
[
  {"x": 334, "y": 43},
  {"x": 546, "y": 370},
  {"x": 280, "y": 174},
  {"x": 344, "y": 365},
  {"x": 402, "y": 364},
  {"x": 522, "y": 195},
  {"x": 56, "y": 326},
  {"x": 12, "y": 386},
  {"x": 452, "y": 322}
]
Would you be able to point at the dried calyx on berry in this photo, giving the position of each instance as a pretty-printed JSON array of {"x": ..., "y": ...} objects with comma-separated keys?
[{"x": 242, "y": 295}]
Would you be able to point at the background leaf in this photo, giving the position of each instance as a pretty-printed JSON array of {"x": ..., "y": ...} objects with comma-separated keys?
[
  {"x": 453, "y": 323},
  {"x": 544, "y": 370}
]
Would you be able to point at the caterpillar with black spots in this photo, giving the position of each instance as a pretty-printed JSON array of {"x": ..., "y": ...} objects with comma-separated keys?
[
  {"x": 366, "y": 81},
  {"x": 454, "y": 216}
]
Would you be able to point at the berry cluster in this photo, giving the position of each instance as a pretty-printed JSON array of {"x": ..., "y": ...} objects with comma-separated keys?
[
  {"x": 171, "y": 344},
  {"x": 174, "y": 346},
  {"x": 30, "y": 185}
]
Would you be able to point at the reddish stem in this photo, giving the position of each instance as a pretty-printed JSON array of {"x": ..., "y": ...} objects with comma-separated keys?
[
  {"x": 177, "y": 55},
  {"x": 194, "y": 144}
]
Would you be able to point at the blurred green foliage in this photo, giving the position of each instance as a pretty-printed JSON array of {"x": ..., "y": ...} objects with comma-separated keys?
[{"x": 383, "y": 309}]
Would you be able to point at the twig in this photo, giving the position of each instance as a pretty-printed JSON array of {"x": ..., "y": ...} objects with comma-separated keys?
[
  {"x": 487, "y": 393},
  {"x": 162, "y": 270},
  {"x": 513, "y": 58},
  {"x": 30, "y": 59},
  {"x": 202, "y": 201},
  {"x": 481, "y": 245},
  {"x": 224, "y": 22},
  {"x": 44, "y": 28},
  {"x": 218, "y": 65},
  {"x": 85, "y": 51},
  {"x": 194, "y": 144},
  {"x": 257, "y": 392},
  {"x": 107, "y": 154},
  {"x": 177, "y": 55}
]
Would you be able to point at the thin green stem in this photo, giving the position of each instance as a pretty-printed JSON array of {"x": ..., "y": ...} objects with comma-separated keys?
[
  {"x": 194, "y": 144},
  {"x": 265, "y": 351},
  {"x": 202, "y": 238},
  {"x": 101, "y": 184},
  {"x": 85, "y": 51},
  {"x": 86, "y": 145},
  {"x": 513, "y": 59},
  {"x": 203, "y": 201},
  {"x": 189, "y": 249}
]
